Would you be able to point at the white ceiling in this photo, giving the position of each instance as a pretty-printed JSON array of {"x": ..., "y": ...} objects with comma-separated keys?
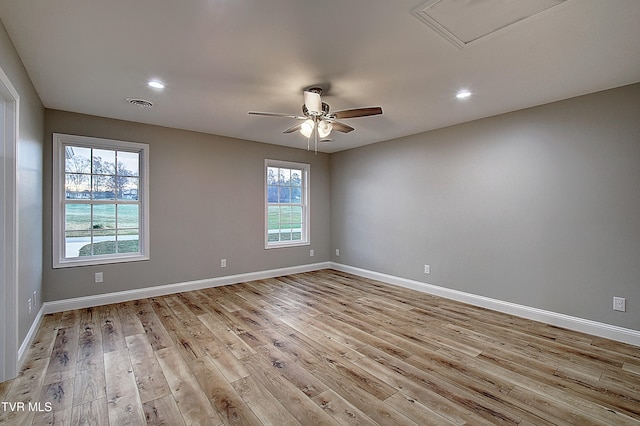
[{"x": 220, "y": 59}]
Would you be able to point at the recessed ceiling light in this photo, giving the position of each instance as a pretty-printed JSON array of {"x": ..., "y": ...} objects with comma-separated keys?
[
  {"x": 463, "y": 94},
  {"x": 156, "y": 84}
]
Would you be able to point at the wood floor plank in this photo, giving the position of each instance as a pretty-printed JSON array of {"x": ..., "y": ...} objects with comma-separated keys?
[
  {"x": 341, "y": 410},
  {"x": 228, "y": 364},
  {"x": 111, "y": 328},
  {"x": 162, "y": 412},
  {"x": 153, "y": 327},
  {"x": 186, "y": 331},
  {"x": 92, "y": 413},
  {"x": 57, "y": 400},
  {"x": 305, "y": 381},
  {"x": 263, "y": 403},
  {"x": 191, "y": 302},
  {"x": 123, "y": 402},
  {"x": 416, "y": 411},
  {"x": 44, "y": 339},
  {"x": 232, "y": 342},
  {"x": 25, "y": 388},
  {"x": 149, "y": 378},
  {"x": 70, "y": 318},
  {"x": 129, "y": 320},
  {"x": 222, "y": 395},
  {"x": 419, "y": 389},
  {"x": 566, "y": 391},
  {"x": 4, "y": 389},
  {"x": 288, "y": 394},
  {"x": 189, "y": 396},
  {"x": 90, "y": 352},
  {"x": 63, "y": 356},
  {"x": 323, "y": 347},
  {"x": 89, "y": 385}
]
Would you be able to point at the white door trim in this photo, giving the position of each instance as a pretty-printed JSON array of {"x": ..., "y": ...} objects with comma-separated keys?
[{"x": 9, "y": 111}]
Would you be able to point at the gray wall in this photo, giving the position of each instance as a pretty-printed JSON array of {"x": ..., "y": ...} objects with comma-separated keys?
[
  {"x": 206, "y": 203},
  {"x": 540, "y": 207},
  {"x": 29, "y": 183}
]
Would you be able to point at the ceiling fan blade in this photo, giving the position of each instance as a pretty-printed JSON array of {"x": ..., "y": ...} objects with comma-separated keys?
[
  {"x": 313, "y": 102},
  {"x": 357, "y": 112},
  {"x": 341, "y": 127},
  {"x": 277, "y": 114},
  {"x": 293, "y": 128}
]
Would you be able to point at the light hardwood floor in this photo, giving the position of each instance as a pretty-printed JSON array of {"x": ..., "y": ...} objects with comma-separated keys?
[{"x": 318, "y": 348}]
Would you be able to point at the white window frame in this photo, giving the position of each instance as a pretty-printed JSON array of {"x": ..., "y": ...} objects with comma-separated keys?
[
  {"x": 60, "y": 141},
  {"x": 305, "y": 231}
]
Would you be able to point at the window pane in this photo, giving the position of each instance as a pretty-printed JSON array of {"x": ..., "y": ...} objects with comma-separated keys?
[
  {"x": 285, "y": 194},
  {"x": 273, "y": 237},
  {"x": 285, "y": 175},
  {"x": 272, "y": 194},
  {"x": 77, "y": 159},
  {"x": 104, "y": 242},
  {"x": 104, "y": 162},
  {"x": 296, "y": 195},
  {"x": 273, "y": 217},
  {"x": 128, "y": 243},
  {"x": 272, "y": 175},
  {"x": 296, "y": 177},
  {"x": 103, "y": 188},
  {"x": 127, "y": 188},
  {"x": 77, "y": 186},
  {"x": 128, "y": 216},
  {"x": 296, "y": 214},
  {"x": 285, "y": 236},
  {"x": 104, "y": 216},
  {"x": 128, "y": 163},
  {"x": 74, "y": 241},
  {"x": 285, "y": 216},
  {"x": 77, "y": 217}
]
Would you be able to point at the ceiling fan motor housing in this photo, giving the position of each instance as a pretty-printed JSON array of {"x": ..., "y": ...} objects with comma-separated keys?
[{"x": 311, "y": 114}]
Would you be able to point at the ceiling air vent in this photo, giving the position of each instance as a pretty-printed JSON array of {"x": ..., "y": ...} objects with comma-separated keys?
[
  {"x": 463, "y": 22},
  {"x": 140, "y": 102}
]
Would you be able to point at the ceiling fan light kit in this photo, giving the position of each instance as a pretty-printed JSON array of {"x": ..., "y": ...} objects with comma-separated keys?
[
  {"x": 318, "y": 121},
  {"x": 324, "y": 128},
  {"x": 306, "y": 128}
]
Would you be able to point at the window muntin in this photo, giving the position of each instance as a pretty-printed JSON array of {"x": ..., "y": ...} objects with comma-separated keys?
[
  {"x": 287, "y": 210},
  {"x": 100, "y": 212}
]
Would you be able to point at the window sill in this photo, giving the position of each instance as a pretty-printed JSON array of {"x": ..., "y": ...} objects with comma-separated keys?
[
  {"x": 286, "y": 244},
  {"x": 74, "y": 262}
]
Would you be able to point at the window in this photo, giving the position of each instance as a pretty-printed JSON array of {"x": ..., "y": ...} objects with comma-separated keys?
[
  {"x": 100, "y": 201},
  {"x": 287, "y": 204}
]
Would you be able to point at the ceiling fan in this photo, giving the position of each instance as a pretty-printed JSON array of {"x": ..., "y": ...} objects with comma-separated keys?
[{"x": 317, "y": 119}]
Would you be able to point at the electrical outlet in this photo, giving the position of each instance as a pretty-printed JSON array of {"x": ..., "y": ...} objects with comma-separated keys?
[
  {"x": 29, "y": 304},
  {"x": 99, "y": 277},
  {"x": 311, "y": 253},
  {"x": 338, "y": 252},
  {"x": 427, "y": 269},
  {"x": 223, "y": 263},
  {"x": 620, "y": 304}
]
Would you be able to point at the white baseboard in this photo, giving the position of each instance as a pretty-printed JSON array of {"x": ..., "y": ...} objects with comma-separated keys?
[
  {"x": 31, "y": 334},
  {"x": 142, "y": 293},
  {"x": 594, "y": 328}
]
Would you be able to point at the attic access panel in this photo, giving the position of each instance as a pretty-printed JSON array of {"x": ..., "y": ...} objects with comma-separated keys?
[{"x": 465, "y": 21}]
